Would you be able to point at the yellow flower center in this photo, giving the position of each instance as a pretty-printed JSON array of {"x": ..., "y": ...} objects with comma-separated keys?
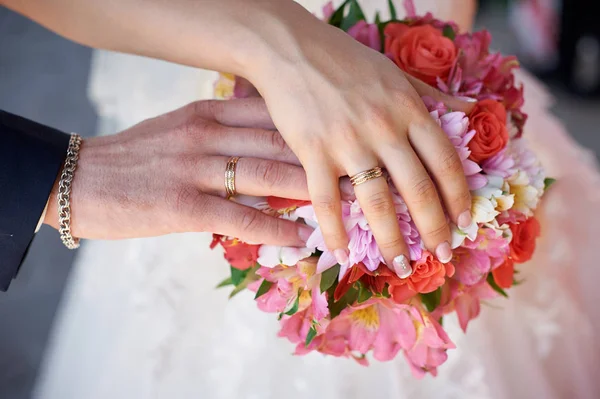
[{"x": 368, "y": 317}]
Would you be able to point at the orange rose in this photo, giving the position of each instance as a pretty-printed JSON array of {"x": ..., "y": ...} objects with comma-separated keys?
[
  {"x": 428, "y": 274},
  {"x": 488, "y": 118},
  {"x": 503, "y": 274},
  {"x": 522, "y": 245},
  {"x": 421, "y": 51}
]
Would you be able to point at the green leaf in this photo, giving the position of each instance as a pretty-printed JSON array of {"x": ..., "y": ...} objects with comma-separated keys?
[
  {"x": 548, "y": 182},
  {"x": 237, "y": 275},
  {"x": 338, "y": 15},
  {"x": 355, "y": 14},
  {"x": 377, "y": 18},
  {"x": 335, "y": 308},
  {"x": 248, "y": 276},
  {"x": 312, "y": 333},
  {"x": 295, "y": 306},
  {"x": 449, "y": 32},
  {"x": 328, "y": 277},
  {"x": 432, "y": 300},
  {"x": 392, "y": 9},
  {"x": 225, "y": 282},
  {"x": 386, "y": 292},
  {"x": 441, "y": 321},
  {"x": 265, "y": 286},
  {"x": 495, "y": 287},
  {"x": 363, "y": 294}
]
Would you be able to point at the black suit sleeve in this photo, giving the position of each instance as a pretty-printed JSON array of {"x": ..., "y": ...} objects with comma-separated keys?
[{"x": 31, "y": 156}]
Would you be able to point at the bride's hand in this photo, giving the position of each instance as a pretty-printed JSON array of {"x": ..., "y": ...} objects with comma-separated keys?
[
  {"x": 344, "y": 108},
  {"x": 166, "y": 175}
]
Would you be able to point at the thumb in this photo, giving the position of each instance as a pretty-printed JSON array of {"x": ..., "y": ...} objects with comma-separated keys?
[{"x": 458, "y": 104}]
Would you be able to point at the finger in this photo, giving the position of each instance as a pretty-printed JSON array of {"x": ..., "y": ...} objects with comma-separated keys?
[
  {"x": 253, "y": 176},
  {"x": 244, "y": 112},
  {"x": 378, "y": 207},
  {"x": 248, "y": 142},
  {"x": 325, "y": 196},
  {"x": 418, "y": 191},
  {"x": 465, "y": 105},
  {"x": 224, "y": 217},
  {"x": 445, "y": 167}
]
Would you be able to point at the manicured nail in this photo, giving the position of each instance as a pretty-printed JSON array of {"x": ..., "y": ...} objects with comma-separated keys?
[
  {"x": 402, "y": 267},
  {"x": 304, "y": 232},
  {"x": 443, "y": 252},
  {"x": 465, "y": 220},
  {"x": 341, "y": 255},
  {"x": 470, "y": 100}
]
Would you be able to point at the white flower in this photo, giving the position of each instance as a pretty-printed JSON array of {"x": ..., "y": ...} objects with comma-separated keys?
[{"x": 272, "y": 255}]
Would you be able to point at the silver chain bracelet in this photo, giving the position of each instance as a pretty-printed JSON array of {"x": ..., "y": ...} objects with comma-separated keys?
[{"x": 64, "y": 193}]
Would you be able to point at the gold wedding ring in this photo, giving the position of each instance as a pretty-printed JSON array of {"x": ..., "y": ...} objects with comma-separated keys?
[
  {"x": 230, "y": 177},
  {"x": 365, "y": 176}
]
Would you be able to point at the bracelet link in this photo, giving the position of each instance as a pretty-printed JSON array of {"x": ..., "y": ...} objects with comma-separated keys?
[{"x": 64, "y": 193}]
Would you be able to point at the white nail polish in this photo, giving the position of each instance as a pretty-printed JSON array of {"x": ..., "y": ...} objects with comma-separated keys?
[{"x": 402, "y": 267}]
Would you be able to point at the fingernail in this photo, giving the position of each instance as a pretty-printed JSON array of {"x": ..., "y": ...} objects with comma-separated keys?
[
  {"x": 443, "y": 252},
  {"x": 304, "y": 233},
  {"x": 402, "y": 267},
  {"x": 465, "y": 220},
  {"x": 341, "y": 255},
  {"x": 470, "y": 100}
]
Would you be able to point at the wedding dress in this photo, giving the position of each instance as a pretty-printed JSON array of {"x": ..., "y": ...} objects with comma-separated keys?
[{"x": 142, "y": 318}]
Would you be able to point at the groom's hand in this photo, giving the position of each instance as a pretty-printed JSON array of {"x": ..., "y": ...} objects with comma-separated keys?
[{"x": 167, "y": 175}]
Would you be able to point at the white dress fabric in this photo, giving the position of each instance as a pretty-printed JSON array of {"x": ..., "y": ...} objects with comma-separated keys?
[{"x": 142, "y": 319}]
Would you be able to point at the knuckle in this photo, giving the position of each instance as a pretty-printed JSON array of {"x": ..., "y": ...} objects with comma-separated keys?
[
  {"x": 392, "y": 243},
  {"x": 380, "y": 204},
  {"x": 463, "y": 198},
  {"x": 450, "y": 162},
  {"x": 278, "y": 143},
  {"x": 439, "y": 231},
  {"x": 270, "y": 173},
  {"x": 424, "y": 191},
  {"x": 335, "y": 240},
  {"x": 215, "y": 108},
  {"x": 250, "y": 221},
  {"x": 325, "y": 206},
  {"x": 182, "y": 199}
]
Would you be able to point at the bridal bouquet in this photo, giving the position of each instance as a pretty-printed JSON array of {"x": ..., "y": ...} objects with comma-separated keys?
[{"x": 364, "y": 307}]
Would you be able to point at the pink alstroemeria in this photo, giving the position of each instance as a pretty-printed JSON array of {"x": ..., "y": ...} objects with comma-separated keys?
[
  {"x": 362, "y": 245},
  {"x": 429, "y": 350},
  {"x": 328, "y": 10},
  {"x": 288, "y": 284},
  {"x": 475, "y": 259},
  {"x": 378, "y": 324},
  {"x": 464, "y": 300},
  {"x": 367, "y": 34}
]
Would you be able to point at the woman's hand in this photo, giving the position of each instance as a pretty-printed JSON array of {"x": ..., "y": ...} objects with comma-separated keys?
[
  {"x": 166, "y": 175},
  {"x": 343, "y": 109}
]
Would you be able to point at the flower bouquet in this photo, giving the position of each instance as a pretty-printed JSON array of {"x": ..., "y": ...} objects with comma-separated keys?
[{"x": 363, "y": 307}]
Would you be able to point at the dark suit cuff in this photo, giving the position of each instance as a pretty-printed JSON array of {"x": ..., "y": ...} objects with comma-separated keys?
[{"x": 31, "y": 156}]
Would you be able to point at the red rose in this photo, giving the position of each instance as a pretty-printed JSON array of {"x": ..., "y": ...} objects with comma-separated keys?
[
  {"x": 421, "y": 51},
  {"x": 488, "y": 119},
  {"x": 522, "y": 245}
]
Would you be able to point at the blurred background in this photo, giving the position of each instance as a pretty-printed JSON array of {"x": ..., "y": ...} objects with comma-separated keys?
[{"x": 45, "y": 78}]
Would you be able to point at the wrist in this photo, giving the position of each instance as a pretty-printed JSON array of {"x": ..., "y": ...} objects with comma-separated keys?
[{"x": 282, "y": 32}]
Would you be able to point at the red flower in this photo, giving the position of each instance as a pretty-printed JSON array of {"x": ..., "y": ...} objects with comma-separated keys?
[
  {"x": 488, "y": 118},
  {"x": 421, "y": 51},
  {"x": 239, "y": 254},
  {"x": 428, "y": 274},
  {"x": 285, "y": 203},
  {"x": 522, "y": 245},
  {"x": 503, "y": 274},
  {"x": 373, "y": 281}
]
